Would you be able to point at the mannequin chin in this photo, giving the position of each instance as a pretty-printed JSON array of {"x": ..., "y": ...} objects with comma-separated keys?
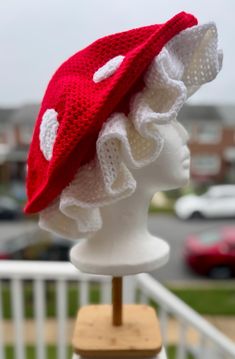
[{"x": 124, "y": 246}]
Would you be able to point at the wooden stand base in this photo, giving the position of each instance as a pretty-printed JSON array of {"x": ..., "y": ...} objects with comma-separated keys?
[
  {"x": 95, "y": 336},
  {"x": 161, "y": 355}
]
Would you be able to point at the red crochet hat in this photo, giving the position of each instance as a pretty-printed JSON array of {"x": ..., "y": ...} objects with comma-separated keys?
[{"x": 81, "y": 95}]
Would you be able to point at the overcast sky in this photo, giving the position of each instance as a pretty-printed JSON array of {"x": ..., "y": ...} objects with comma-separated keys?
[{"x": 37, "y": 36}]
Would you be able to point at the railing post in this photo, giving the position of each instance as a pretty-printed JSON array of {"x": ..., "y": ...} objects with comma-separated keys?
[
  {"x": 17, "y": 310},
  {"x": 105, "y": 292},
  {"x": 129, "y": 289},
  {"x": 201, "y": 348},
  {"x": 214, "y": 353},
  {"x": 39, "y": 312},
  {"x": 163, "y": 317},
  {"x": 61, "y": 304},
  {"x": 143, "y": 298},
  {"x": 181, "y": 350},
  {"x": 84, "y": 292},
  {"x": 2, "y": 354}
]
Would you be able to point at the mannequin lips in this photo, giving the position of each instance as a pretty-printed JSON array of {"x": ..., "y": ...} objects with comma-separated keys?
[
  {"x": 186, "y": 163},
  {"x": 186, "y": 153},
  {"x": 186, "y": 158}
]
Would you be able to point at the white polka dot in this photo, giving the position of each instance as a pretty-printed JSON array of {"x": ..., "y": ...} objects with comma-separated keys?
[
  {"x": 108, "y": 69},
  {"x": 48, "y": 131}
]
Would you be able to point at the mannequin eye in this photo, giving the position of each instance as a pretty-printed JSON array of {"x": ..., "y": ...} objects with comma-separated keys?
[{"x": 182, "y": 131}]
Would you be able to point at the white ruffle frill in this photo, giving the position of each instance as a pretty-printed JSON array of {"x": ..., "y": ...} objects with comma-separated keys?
[{"x": 188, "y": 61}]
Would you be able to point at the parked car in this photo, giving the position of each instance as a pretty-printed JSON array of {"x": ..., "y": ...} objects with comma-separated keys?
[
  {"x": 9, "y": 208},
  {"x": 217, "y": 202},
  {"x": 34, "y": 247},
  {"x": 17, "y": 191},
  {"x": 212, "y": 253}
]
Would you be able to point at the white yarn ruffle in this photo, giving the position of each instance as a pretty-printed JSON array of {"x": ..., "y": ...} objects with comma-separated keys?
[{"x": 188, "y": 61}]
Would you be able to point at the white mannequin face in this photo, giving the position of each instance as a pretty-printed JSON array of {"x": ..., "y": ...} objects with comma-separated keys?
[
  {"x": 171, "y": 170},
  {"x": 124, "y": 246}
]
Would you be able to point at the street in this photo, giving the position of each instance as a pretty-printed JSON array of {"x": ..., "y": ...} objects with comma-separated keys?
[
  {"x": 15, "y": 229},
  {"x": 174, "y": 231},
  {"x": 168, "y": 227}
]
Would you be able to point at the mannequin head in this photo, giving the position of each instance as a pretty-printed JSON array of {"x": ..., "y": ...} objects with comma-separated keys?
[
  {"x": 140, "y": 152},
  {"x": 124, "y": 245},
  {"x": 171, "y": 169},
  {"x": 137, "y": 154}
]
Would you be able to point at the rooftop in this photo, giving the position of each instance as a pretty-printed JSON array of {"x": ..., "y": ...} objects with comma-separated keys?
[{"x": 27, "y": 114}]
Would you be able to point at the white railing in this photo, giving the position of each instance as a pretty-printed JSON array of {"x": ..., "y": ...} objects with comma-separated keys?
[
  {"x": 37, "y": 331},
  {"x": 211, "y": 343}
]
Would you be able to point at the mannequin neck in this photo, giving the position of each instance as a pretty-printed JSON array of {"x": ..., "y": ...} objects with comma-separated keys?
[
  {"x": 127, "y": 217},
  {"x": 123, "y": 246}
]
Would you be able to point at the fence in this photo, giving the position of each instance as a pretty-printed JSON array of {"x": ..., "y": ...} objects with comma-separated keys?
[{"x": 39, "y": 296}]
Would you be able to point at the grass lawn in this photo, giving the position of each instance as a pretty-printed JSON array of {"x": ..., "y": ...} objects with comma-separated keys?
[
  {"x": 165, "y": 210},
  {"x": 210, "y": 301},
  {"x": 31, "y": 354},
  {"x": 51, "y": 352},
  {"x": 214, "y": 300},
  {"x": 50, "y": 299}
]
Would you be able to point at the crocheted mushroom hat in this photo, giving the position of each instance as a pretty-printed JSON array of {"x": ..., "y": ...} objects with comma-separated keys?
[
  {"x": 80, "y": 97},
  {"x": 100, "y": 115}
]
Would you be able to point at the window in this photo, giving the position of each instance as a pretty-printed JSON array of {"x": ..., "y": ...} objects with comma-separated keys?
[
  {"x": 229, "y": 154},
  {"x": 231, "y": 173},
  {"x": 3, "y": 135},
  {"x": 207, "y": 164},
  {"x": 4, "y": 145},
  {"x": 210, "y": 238},
  {"x": 25, "y": 134},
  {"x": 209, "y": 132}
]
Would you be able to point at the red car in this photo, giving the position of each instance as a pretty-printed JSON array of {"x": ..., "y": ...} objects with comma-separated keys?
[{"x": 212, "y": 253}]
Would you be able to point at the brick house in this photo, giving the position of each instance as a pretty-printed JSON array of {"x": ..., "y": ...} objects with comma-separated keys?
[
  {"x": 16, "y": 126},
  {"x": 212, "y": 142}
]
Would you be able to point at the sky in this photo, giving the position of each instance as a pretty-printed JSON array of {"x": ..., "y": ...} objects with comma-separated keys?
[{"x": 37, "y": 36}]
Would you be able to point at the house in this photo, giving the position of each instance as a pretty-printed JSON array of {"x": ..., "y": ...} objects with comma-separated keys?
[
  {"x": 212, "y": 141},
  {"x": 211, "y": 129},
  {"x": 6, "y": 142},
  {"x": 16, "y": 127}
]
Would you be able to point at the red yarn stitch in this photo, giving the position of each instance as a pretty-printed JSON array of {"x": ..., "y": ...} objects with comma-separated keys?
[{"x": 83, "y": 106}]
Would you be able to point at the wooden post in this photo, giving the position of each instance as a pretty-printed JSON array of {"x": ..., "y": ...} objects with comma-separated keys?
[
  {"x": 117, "y": 301},
  {"x": 96, "y": 335}
]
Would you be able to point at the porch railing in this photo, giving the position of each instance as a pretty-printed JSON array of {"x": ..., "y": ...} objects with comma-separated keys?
[{"x": 16, "y": 328}]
